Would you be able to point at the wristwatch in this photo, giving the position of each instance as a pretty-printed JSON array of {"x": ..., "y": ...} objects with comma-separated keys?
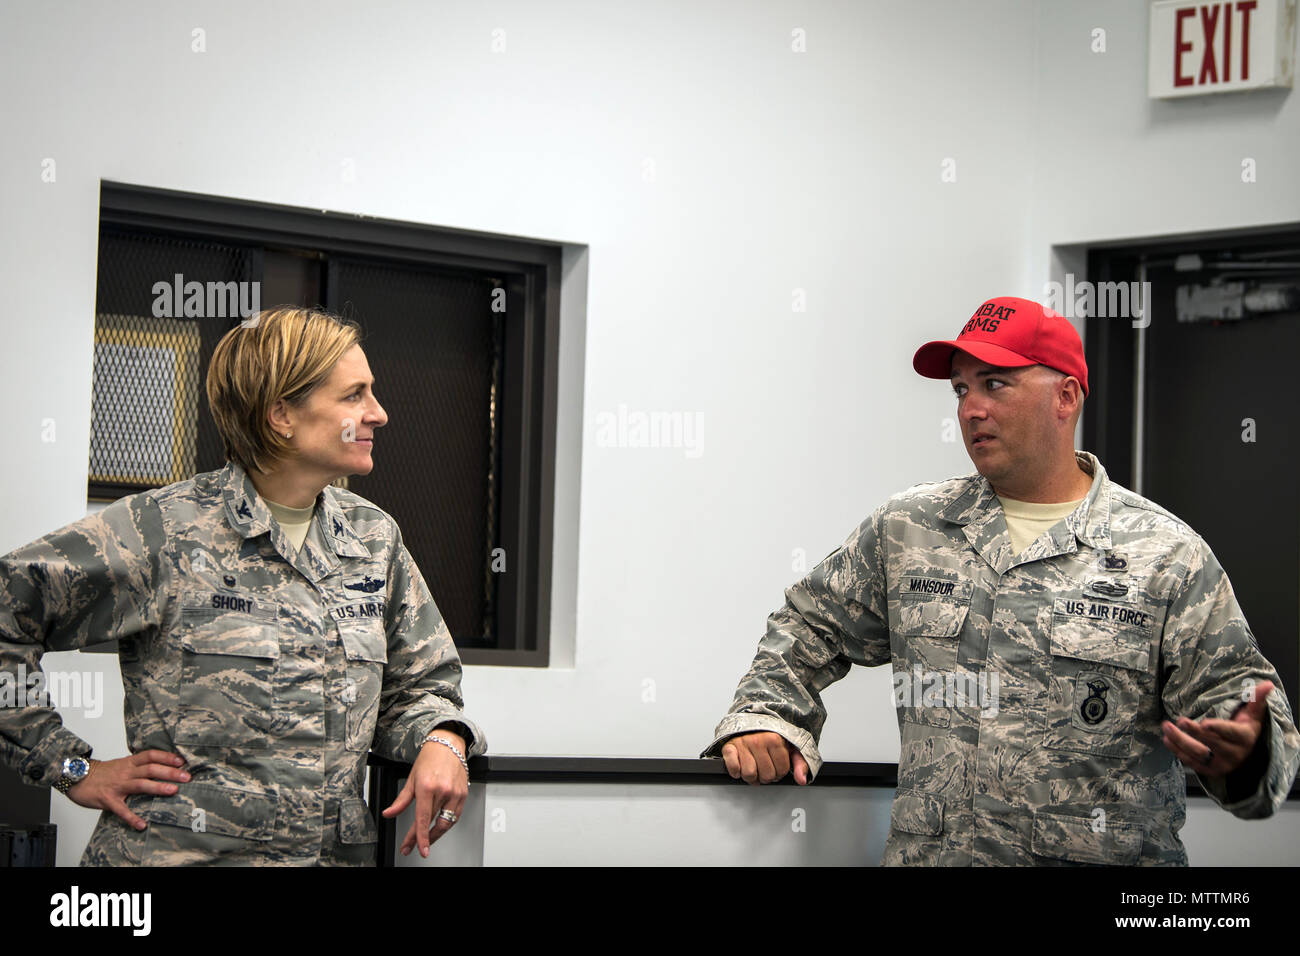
[{"x": 74, "y": 771}]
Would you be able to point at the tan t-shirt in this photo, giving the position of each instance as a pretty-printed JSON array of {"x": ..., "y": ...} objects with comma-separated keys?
[
  {"x": 1026, "y": 520},
  {"x": 294, "y": 521}
]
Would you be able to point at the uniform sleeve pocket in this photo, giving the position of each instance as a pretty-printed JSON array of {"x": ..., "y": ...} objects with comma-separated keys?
[
  {"x": 1075, "y": 839},
  {"x": 916, "y": 812}
]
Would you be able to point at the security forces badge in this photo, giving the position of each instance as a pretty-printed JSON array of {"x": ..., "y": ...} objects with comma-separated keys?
[{"x": 1093, "y": 709}]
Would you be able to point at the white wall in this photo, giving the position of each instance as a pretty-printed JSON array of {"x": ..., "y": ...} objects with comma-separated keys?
[
  {"x": 1112, "y": 164},
  {"x": 772, "y": 171},
  {"x": 610, "y": 824},
  {"x": 607, "y": 824}
]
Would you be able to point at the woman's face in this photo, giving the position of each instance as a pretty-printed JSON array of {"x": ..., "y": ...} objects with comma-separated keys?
[{"x": 333, "y": 430}]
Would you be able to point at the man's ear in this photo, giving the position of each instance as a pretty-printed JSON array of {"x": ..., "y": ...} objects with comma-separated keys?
[{"x": 1069, "y": 397}]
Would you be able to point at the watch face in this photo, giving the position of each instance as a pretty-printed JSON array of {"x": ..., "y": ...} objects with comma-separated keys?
[{"x": 76, "y": 767}]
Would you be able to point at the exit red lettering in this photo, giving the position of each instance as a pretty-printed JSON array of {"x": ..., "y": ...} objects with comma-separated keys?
[{"x": 1210, "y": 71}]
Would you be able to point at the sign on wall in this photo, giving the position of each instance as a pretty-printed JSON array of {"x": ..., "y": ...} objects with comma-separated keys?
[{"x": 1198, "y": 48}]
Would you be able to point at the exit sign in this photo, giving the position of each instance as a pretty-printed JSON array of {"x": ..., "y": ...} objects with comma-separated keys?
[{"x": 1223, "y": 47}]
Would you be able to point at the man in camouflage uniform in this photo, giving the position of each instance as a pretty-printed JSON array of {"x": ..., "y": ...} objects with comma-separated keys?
[
  {"x": 1043, "y": 693},
  {"x": 270, "y": 670}
]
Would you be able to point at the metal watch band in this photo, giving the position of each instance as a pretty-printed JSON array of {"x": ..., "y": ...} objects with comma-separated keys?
[{"x": 66, "y": 782}]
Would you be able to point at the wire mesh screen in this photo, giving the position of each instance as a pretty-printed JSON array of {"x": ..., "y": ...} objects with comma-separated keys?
[
  {"x": 143, "y": 406},
  {"x": 434, "y": 346},
  {"x": 162, "y": 304}
]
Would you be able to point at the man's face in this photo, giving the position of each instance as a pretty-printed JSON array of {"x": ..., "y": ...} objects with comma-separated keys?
[
  {"x": 1006, "y": 417},
  {"x": 335, "y": 427}
]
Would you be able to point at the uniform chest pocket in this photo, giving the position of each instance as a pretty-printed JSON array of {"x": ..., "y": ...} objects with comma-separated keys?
[
  {"x": 932, "y": 607},
  {"x": 1100, "y": 682},
  {"x": 227, "y": 678},
  {"x": 931, "y": 617},
  {"x": 931, "y": 614},
  {"x": 365, "y": 649}
]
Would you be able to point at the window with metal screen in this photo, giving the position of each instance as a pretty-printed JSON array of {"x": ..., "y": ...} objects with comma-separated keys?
[
  {"x": 435, "y": 348},
  {"x": 149, "y": 421},
  {"x": 460, "y": 331}
]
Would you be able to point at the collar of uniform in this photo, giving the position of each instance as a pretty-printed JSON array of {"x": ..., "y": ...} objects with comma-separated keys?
[
  {"x": 336, "y": 527},
  {"x": 1090, "y": 522},
  {"x": 249, "y": 514},
  {"x": 970, "y": 502}
]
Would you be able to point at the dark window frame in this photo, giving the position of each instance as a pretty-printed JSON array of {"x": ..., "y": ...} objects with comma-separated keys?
[{"x": 532, "y": 271}]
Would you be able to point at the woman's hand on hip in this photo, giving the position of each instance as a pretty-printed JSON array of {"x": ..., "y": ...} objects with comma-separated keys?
[{"x": 110, "y": 782}]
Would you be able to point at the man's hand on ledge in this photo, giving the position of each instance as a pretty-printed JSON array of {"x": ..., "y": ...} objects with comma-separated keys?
[
  {"x": 1214, "y": 747},
  {"x": 763, "y": 757}
]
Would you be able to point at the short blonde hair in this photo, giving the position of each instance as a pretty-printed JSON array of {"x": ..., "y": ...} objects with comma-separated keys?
[{"x": 280, "y": 353}]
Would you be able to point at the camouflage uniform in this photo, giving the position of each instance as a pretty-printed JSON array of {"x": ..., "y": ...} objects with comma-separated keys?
[
  {"x": 270, "y": 672},
  {"x": 1117, "y": 618}
]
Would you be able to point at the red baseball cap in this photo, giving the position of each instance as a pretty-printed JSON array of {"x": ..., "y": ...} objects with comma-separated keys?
[{"x": 1007, "y": 332}]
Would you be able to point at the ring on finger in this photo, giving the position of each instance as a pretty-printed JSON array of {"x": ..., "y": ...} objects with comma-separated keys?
[{"x": 445, "y": 814}]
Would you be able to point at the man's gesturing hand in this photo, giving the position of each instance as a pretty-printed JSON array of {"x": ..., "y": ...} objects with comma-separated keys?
[
  {"x": 763, "y": 757},
  {"x": 1218, "y": 747}
]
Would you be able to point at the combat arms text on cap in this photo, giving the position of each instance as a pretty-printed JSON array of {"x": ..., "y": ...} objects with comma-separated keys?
[{"x": 1008, "y": 332}]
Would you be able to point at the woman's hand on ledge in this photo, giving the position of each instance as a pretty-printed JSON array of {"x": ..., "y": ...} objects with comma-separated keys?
[{"x": 437, "y": 782}]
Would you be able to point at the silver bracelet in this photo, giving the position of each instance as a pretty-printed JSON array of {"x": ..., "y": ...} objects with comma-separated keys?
[{"x": 450, "y": 746}]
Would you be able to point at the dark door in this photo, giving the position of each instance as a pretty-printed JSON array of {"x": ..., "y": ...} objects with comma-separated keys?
[{"x": 1220, "y": 444}]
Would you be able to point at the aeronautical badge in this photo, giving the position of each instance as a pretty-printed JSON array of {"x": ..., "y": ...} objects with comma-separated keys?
[
  {"x": 1093, "y": 710},
  {"x": 1114, "y": 562},
  {"x": 369, "y": 585}
]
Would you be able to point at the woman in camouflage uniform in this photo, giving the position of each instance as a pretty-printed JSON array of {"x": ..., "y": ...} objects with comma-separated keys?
[{"x": 272, "y": 629}]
